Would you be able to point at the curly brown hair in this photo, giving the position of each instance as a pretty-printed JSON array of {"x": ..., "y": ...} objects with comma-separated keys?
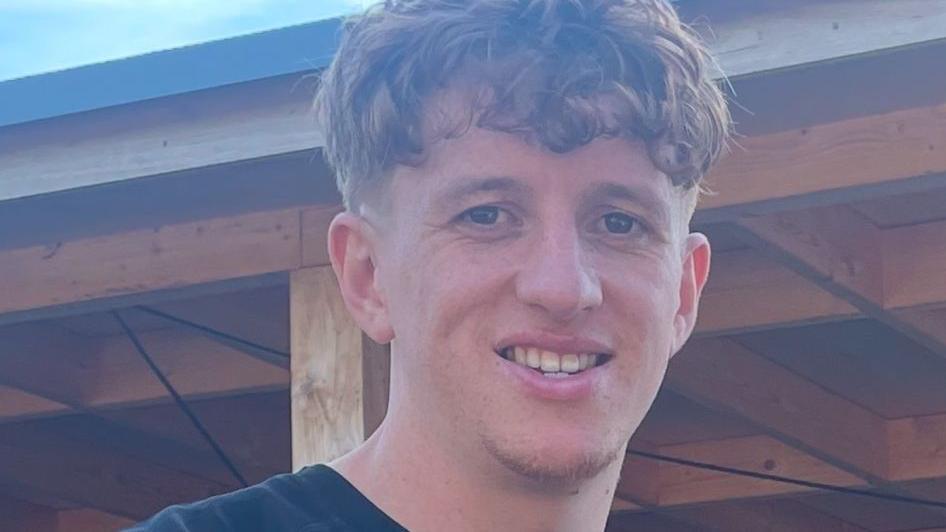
[{"x": 559, "y": 73}]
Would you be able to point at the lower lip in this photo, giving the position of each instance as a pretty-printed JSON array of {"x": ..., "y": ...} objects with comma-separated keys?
[{"x": 571, "y": 388}]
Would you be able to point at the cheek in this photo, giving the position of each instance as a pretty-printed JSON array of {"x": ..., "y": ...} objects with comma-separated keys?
[
  {"x": 642, "y": 310},
  {"x": 442, "y": 294}
]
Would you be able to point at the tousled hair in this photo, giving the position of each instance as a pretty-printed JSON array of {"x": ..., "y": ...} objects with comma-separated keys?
[{"x": 558, "y": 73}]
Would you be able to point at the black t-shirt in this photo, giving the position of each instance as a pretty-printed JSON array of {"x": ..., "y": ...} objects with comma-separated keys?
[{"x": 315, "y": 499}]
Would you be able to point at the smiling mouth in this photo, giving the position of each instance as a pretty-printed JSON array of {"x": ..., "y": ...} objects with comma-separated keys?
[{"x": 553, "y": 365}]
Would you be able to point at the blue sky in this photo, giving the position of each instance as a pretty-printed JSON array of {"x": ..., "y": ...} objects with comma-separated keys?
[{"x": 45, "y": 35}]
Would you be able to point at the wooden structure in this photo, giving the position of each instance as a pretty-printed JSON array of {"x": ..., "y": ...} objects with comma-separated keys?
[{"x": 183, "y": 190}]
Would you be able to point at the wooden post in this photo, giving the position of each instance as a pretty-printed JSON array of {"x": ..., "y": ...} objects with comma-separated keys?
[{"x": 339, "y": 376}]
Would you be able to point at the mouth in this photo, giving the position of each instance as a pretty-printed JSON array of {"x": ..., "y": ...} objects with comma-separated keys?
[{"x": 551, "y": 364}]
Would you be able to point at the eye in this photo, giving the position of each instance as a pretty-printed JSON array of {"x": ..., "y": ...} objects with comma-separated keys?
[
  {"x": 619, "y": 223},
  {"x": 482, "y": 215}
]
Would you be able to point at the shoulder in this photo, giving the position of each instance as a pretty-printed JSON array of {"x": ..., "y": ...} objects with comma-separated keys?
[{"x": 283, "y": 502}]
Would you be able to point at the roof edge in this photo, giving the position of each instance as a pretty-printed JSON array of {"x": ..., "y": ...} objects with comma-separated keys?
[{"x": 287, "y": 50}]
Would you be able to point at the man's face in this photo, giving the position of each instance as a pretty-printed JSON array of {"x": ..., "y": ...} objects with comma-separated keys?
[{"x": 493, "y": 249}]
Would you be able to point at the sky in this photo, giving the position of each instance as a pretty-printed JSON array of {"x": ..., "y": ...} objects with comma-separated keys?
[{"x": 39, "y": 36}]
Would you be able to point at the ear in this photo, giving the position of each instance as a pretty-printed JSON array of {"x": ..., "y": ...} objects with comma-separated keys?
[
  {"x": 696, "y": 266},
  {"x": 352, "y": 248}
]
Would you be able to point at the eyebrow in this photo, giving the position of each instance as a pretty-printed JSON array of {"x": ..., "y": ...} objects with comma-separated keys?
[
  {"x": 473, "y": 185},
  {"x": 643, "y": 199}
]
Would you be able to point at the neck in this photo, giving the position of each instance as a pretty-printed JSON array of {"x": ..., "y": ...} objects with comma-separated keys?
[{"x": 425, "y": 486}]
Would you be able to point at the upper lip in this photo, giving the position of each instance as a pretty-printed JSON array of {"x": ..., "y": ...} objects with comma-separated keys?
[{"x": 556, "y": 343}]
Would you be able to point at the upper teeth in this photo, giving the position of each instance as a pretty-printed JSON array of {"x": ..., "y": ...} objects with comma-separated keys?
[{"x": 550, "y": 362}]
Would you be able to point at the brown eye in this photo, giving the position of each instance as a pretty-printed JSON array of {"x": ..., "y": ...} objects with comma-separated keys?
[
  {"x": 619, "y": 223},
  {"x": 485, "y": 215}
]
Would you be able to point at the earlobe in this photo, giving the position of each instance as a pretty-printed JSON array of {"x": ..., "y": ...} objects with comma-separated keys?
[
  {"x": 351, "y": 244},
  {"x": 696, "y": 266}
]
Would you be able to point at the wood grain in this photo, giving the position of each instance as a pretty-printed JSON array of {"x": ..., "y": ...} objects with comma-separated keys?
[
  {"x": 201, "y": 129},
  {"x": 724, "y": 375},
  {"x": 326, "y": 367},
  {"x": 887, "y": 149},
  {"x": 146, "y": 260}
]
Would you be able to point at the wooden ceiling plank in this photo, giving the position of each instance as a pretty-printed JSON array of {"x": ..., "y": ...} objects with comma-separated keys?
[
  {"x": 639, "y": 482},
  {"x": 846, "y": 255},
  {"x": 17, "y": 404},
  {"x": 772, "y": 515},
  {"x": 253, "y": 429},
  {"x": 726, "y": 376},
  {"x": 124, "y": 487},
  {"x": 112, "y": 435},
  {"x": 195, "y": 365},
  {"x": 915, "y": 454},
  {"x": 684, "y": 485},
  {"x": 914, "y": 272},
  {"x": 89, "y": 520},
  {"x": 885, "y": 149},
  {"x": 833, "y": 246},
  {"x": 315, "y": 223},
  {"x": 224, "y": 318},
  {"x": 917, "y": 447},
  {"x": 749, "y": 39},
  {"x": 45, "y": 362},
  {"x": 637, "y": 521},
  {"x": 195, "y": 130},
  {"x": 22, "y": 516},
  {"x": 742, "y": 288},
  {"x": 145, "y": 260},
  {"x": 89, "y": 375}
]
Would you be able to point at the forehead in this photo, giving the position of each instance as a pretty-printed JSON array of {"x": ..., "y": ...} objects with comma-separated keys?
[{"x": 482, "y": 160}]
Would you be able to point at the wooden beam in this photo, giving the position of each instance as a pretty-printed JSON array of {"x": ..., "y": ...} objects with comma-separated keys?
[
  {"x": 88, "y": 520},
  {"x": 913, "y": 259},
  {"x": 260, "y": 316},
  {"x": 828, "y": 264},
  {"x": 75, "y": 275},
  {"x": 791, "y": 167},
  {"x": 124, "y": 486},
  {"x": 144, "y": 260},
  {"x": 116, "y": 375},
  {"x": 915, "y": 453},
  {"x": 22, "y": 516},
  {"x": 726, "y": 376},
  {"x": 33, "y": 362},
  {"x": 680, "y": 485},
  {"x": 639, "y": 482},
  {"x": 755, "y": 38},
  {"x": 253, "y": 429},
  {"x": 748, "y": 291},
  {"x": 49, "y": 371},
  {"x": 834, "y": 247},
  {"x": 843, "y": 253},
  {"x": 917, "y": 447},
  {"x": 17, "y": 404},
  {"x": 634, "y": 522},
  {"x": 112, "y": 435},
  {"x": 777, "y": 515},
  {"x": 315, "y": 222},
  {"x": 195, "y": 130},
  {"x": 329, "y": 359}
]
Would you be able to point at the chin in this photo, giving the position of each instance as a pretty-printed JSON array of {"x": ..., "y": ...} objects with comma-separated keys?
[{"x": 555, "y": 465}]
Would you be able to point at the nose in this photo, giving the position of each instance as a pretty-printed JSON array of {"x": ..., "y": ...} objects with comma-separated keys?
[{"x": 557, "y": 278}]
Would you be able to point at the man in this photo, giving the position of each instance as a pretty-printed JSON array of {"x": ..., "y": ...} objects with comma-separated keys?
[{"x": 518, "y": 177}]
